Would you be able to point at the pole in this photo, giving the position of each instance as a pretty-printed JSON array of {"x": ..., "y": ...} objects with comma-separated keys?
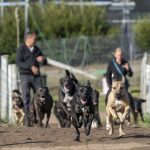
[
  {"x": 17, "y": 25},
  {"x": 4, "y": 86},
  {"x": 26, "y": 16},
  {"x": 2, "y": 11}
]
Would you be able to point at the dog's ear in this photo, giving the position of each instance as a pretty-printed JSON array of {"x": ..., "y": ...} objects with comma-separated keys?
[
  {"x": 89, "y": 84},
  {"x": 72, "y": 76},
  {"x": 47, "y": 90},
  {"x": 123, "y": 79},
  {"x": 67, "y": 73}
]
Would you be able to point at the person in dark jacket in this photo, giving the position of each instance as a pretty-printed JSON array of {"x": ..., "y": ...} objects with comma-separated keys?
[
  {"x": 117, "y": 68},
  {"x": 28, "y": 59}
]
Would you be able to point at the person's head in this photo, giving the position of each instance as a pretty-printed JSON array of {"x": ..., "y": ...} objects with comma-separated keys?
[
  {"x": 30, "y": 38},
  {"x": 118, "y": 54}
]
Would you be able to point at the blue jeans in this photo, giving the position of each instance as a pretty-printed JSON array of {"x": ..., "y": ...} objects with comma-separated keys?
[{"x": 28, "y": 82}]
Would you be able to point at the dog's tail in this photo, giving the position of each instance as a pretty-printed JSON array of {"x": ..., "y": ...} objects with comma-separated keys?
[{"x": 140, "y": 99}]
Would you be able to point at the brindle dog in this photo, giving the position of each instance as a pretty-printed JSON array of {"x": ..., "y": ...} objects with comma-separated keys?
[
  {"x": 82, "y": 110},
  {"x": 67, "y": 90},
  {"x": 96, "y": 120},
  {"x": 42, "y": 104}
]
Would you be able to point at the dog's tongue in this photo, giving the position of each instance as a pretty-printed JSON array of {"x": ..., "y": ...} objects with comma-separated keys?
[
  {"x": 83, "y": 101},
  {"x": 66, "y": 88}
]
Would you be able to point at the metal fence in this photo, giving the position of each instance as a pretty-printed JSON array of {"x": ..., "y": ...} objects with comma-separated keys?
[{"x": 81, "y": 51}]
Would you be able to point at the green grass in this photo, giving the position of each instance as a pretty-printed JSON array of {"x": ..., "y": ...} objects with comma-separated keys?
[{"x": 147, "y": 121}]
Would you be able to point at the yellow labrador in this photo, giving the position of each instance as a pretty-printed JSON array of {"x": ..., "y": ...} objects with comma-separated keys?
[{"x": 117, "y": 107}]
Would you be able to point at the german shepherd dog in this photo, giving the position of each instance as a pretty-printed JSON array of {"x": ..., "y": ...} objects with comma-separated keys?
[
  {"x": 18, "y": 107},
  {"x": 117, "y": 106},
  {"x": 67, "y": 90},
  {"x": 42, "y": 104},
  {"x": 96, "y": 120},
  {"x": 82, "y": 110}
]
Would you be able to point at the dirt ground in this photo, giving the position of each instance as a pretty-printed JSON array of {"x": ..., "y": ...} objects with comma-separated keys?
[{"x": 22, "y": 138}]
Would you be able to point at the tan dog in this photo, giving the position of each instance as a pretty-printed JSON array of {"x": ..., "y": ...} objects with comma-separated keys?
[
  {"x": 18, "y": 107},
  {"x": 117, "y": 107}
]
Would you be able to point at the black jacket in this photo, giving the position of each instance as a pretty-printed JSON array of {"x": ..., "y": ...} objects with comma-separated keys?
[
  {"x": 112, "y": 72},
  {"x": 25, "y": 59}
]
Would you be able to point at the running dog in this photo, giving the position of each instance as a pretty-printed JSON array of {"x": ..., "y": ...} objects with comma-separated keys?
[
  {"x": 138, "y": 108},
  {"x": 117, "y": 106},
  {"x": 96, "y": 121},
  {"x": 67, "y": 90},
  {"x": 18, "y": 107},
  {"x": 63, "y": 120},
  {"x": 42, "y": 104},
  {"x": 82, "y": 110}
]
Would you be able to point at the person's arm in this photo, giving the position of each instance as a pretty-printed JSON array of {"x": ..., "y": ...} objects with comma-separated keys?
[
  {"x": 130, "y": 72},
  {"x": 40, "y": 57},
  {"x": 109, "y": 75},
  {"x": 19, "y": 60},
  {"x": 128, "y": 69}
]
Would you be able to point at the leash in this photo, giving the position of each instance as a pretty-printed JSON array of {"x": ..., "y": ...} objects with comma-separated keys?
[{"x": 118, "y": 69}]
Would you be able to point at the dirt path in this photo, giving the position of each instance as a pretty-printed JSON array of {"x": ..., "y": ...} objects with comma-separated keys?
[{"x": 21, "y": 138}]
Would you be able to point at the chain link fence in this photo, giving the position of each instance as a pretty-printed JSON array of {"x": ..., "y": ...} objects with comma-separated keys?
[{"x": 81, "y": 51}]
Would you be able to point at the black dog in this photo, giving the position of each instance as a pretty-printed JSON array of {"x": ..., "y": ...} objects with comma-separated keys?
[
  {"x": 82, "y": 110},
  {"x": 61, "y": 116},
  {"x": 135, "y": 107},
  {"x": 42, "y": 104},
  {"x": 138, "y": 108},
  {"x": 68, "y": 86},
  {"x": 96, "y": 120}
]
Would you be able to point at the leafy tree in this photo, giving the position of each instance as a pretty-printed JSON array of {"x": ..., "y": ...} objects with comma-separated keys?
[{"x": 142, "y": 33}]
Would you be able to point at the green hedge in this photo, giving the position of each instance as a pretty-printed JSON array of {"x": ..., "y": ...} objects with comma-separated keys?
[{"x": 142, "y": 33}]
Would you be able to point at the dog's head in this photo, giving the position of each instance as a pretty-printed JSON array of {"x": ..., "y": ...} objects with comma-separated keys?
[
  {"x": 95, "y": 97},
  {"x": 42, "y": 94},
  {"x": 68, "y": 83},
  {"x": 85, "y": 93},
  {"x": 17, "y": 99},
  {"x": 118, "y": 89}
]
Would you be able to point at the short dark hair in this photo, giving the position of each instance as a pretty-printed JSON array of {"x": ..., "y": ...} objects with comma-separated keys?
[{"x": 30, "y": 33}]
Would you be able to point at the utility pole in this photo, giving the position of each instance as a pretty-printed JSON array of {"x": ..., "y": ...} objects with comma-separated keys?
[
  {"x": 26, "y": 16},
  {"x": 1, "y": 11},
  {"x": 17, "y": 25}
]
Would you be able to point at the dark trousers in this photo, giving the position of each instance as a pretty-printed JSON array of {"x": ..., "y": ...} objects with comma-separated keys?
[{"x": 28, "y": 82}]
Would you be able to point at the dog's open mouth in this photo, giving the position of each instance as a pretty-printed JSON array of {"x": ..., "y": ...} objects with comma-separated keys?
[
  {"x": 94, "y": 102},
  {"x": 83, "y": 101},
  {"x": 67, "y": 88},
  {"x": 42, "y": 99}
]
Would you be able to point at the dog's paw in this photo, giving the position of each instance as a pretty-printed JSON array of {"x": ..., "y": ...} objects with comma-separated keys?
[
  {"x": 107, "y": 126},
  {"x": 110, "y": 133},
  {"x": 77, "y": 138},
  {"x": 121, "y": 134}
]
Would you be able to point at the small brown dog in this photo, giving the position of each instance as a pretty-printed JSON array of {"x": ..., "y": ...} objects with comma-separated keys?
[
  {"x": 18, "y": 107},
  {"x": 117, "y": 107}
]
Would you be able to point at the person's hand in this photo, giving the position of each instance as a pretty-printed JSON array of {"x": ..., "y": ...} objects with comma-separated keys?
[
  {"x": 126, "y": 66},
  {"x": 35, "y": 70},
  {"x": 40, "y": 58}
]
